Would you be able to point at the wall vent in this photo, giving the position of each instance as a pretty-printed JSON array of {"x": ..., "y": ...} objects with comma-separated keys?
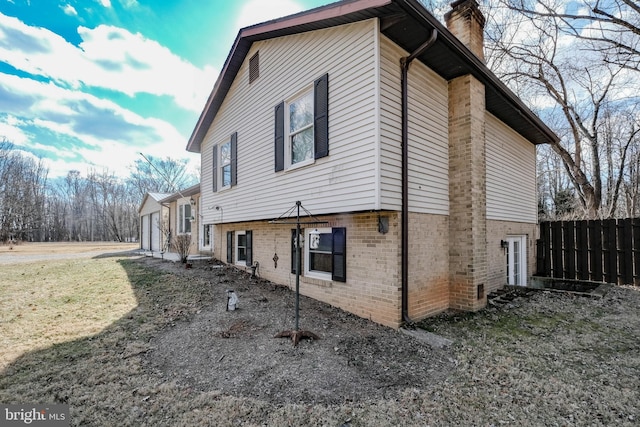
[{"x": 254, "y": 67}]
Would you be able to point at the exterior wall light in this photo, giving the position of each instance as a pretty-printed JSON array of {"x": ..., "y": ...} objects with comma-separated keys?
[{"x": 314, "y": 239}]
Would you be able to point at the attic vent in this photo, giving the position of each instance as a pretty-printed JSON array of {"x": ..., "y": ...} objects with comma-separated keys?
[{"x": 254, "y": 67}]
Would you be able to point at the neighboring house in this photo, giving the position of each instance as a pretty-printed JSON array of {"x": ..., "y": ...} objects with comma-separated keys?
[
  {"x": 153, "y": 217},
  {"x": 184, "y": 219},
  {"x": 393, "y": 131}
]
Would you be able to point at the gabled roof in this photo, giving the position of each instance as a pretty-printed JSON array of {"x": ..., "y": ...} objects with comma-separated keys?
[
  {"x": 408, "y": 24},
  {"x": 157, "y": 197},
  {"x": 187, "y": 192}
]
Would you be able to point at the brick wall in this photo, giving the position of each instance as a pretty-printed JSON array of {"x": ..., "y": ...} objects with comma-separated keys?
[
  {"x": 428, "y": 265},
  {"x": 372, "y": 289},
  {"x": 467, "y": 194}
]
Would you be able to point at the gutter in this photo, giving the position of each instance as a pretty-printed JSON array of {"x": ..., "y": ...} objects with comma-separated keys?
[{"x": 405, "y": 62}]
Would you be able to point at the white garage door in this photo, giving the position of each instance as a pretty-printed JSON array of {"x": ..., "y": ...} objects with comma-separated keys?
[
  {"x": 155, "y": 231},
  {"x": 144, "y": 233}
]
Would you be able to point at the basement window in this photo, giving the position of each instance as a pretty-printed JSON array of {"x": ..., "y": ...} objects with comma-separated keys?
[{"x": 325, "y": 253}]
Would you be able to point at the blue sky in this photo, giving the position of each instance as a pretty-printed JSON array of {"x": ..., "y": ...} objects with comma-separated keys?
[{"x": 88, "y": 84}]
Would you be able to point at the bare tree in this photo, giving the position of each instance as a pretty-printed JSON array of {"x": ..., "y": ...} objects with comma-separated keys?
[
  {"x": 167, "y": 175},
  {"x": 22, "y": 196},
  {"x": 612, "y": 27},
  {"x": 555, "y": 59}
]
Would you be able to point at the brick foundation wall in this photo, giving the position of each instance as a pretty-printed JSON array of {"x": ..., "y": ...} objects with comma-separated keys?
[
  {"x": 372, "y": 289},
  {"x": 428, "y": 265}
]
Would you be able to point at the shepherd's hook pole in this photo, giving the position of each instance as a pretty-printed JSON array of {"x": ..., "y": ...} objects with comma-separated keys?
[{"x": 298, "y": 265}]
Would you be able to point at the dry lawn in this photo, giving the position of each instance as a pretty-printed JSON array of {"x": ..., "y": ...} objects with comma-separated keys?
[{"x": 85, "y": 332}]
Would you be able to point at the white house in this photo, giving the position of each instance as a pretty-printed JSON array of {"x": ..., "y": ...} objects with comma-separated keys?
[{"x": 388, "y": 128}]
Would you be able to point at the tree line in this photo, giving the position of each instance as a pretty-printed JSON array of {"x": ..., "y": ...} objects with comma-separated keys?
[{"x": 97, "y": 206}]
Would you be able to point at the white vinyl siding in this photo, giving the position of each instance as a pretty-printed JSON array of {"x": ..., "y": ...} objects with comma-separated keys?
[
  {"x": 345, "y": 180},
  {"x": 511, "y": 174},
  {"x": 428, "y": 135}
]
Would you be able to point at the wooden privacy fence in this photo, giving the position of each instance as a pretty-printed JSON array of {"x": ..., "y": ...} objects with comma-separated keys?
[{"x": 597, "y": 250}]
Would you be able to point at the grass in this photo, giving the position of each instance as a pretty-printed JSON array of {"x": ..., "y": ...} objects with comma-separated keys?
[
  {"x": 52, "y": 302},
  {"x": 72, "y": 331}
]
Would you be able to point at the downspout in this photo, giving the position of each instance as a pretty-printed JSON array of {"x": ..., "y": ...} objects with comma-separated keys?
[{"x": 405, "y": 62}]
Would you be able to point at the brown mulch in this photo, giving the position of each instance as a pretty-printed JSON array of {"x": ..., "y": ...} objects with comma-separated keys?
[{"x": 236, "y": 352}]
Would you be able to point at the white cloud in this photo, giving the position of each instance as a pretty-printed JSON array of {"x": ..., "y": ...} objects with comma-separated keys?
[
  {"x": 88, "y": 131},
  {"x": 10, "y": 131},
  {"x": 105, "y": 3},
  {"x": 69, "y": 10},
  {"x": 108, "y": 57}
]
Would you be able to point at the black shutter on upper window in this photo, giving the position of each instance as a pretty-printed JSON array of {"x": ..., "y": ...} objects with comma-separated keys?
[
  {"x": 249, "y": 236},
  {"x": 215, "y": 169},
  {"x": 321, "y": 116},
  {"x": 279, "y": 137},
  {"x": 339, "y": 254},
  {"x": 230, "y": 247},
  {"x": 234, "y": 158}
]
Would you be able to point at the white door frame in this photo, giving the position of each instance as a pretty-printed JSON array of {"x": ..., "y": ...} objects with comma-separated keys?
[{"x": 517, "y": 260}]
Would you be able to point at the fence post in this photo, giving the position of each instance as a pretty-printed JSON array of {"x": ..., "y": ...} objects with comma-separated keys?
[
  {"x": 569, "y": 250},
  {"x": 556, "y": 249},
  {"x": 582, "y": 250},
  {"x": 595, "y": 243},
  {"x": 625, "y": 259},
  {"x": 610, "y": 249},
  {"x": 544, "y": 265},
  {"x": 635, "y": 225}
]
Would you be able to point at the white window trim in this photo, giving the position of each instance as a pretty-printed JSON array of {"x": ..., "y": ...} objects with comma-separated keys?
[
  {"x": 312, "y": 273},
  {"x": 522, "y": 241},
  {"x": 203, "y": 228},
  {"x": 220, "y": 165},
  {"x": 237, "y": 247},
  {"x": 287, "y": 131},
  {"x": 181, "y": 215}
]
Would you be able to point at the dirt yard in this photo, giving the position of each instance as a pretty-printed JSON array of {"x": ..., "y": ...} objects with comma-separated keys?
[{"x": 179, "y": 358}]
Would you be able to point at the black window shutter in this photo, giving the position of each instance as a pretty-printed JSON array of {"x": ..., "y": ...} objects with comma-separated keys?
[
  {"x": 229, "y": 247},
  {"x": 249, "y": 235},
  {"x": 215, "y": 169},
  {"x": 293, "y": 251},
  {"x": 339, "y": 254},
  {"x": 321, "y": 116},
  {"x": 279, "y": 137},
  {"x": 234, "y": 158}
]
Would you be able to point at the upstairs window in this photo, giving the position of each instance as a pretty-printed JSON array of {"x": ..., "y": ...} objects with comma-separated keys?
[
  {"x": 300, "y": 141},
  {"x": 302, "y": 127},
  {"x": 225, "y": 163}
]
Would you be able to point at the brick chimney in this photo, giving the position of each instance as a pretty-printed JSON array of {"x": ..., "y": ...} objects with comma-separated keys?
[{"x": 466, "y": 22}]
